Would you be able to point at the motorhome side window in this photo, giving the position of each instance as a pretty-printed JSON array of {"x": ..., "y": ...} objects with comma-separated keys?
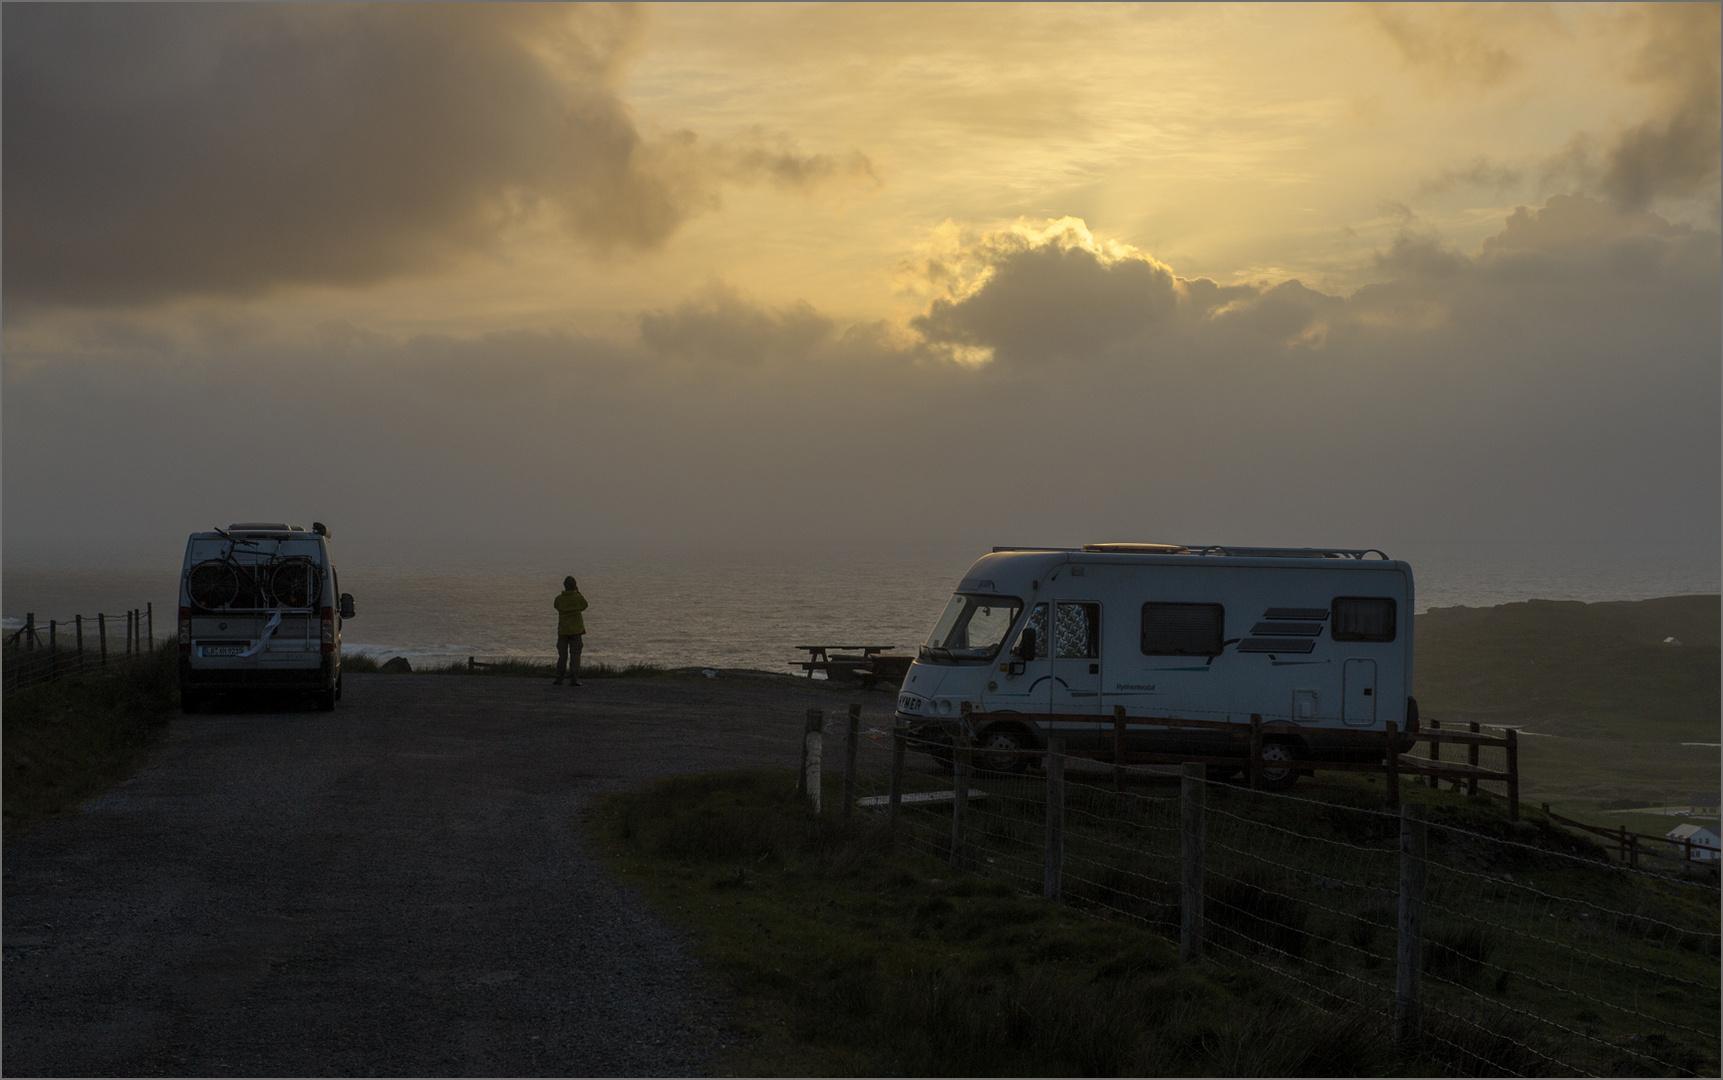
[
  {"x": 1077, "y": 628},
  {"x": 1362, "y": 618},
  {"x": 1183, "y": 629}
]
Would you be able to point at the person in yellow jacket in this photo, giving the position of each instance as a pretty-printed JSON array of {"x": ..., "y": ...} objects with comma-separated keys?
[{"x": 570, "y": 631}]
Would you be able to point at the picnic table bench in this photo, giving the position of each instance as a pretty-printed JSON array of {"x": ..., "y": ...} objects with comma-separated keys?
[{"x": 832, "y": 660}]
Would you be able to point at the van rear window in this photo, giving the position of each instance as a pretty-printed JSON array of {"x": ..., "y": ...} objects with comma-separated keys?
[
  {"x": 1362, "y": 618},
  {"x": 1183, "y": 629}
]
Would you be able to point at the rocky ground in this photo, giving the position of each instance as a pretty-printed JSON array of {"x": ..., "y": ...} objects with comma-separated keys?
[{"x": 399, "y": 887}]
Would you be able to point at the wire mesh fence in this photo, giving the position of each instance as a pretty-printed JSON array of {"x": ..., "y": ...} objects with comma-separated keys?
[
  {"x": 1493, "y": 947},
  {"x": 39, "y": 651}
]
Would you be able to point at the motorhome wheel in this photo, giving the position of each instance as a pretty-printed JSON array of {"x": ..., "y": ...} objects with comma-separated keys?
[
  {"x": 997, "y": 753},
  {"x": 326, "y": 701},
  {"x": 1279, "y": 778}
]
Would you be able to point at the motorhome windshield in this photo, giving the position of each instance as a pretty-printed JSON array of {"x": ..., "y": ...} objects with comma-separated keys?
[{"x": 972, "y": 628}]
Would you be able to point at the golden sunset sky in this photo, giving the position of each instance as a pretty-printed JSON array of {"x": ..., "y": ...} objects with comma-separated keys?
[{"x": 984, "y": 274}]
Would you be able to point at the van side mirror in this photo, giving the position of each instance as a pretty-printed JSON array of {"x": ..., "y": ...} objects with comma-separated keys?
[
  {"x": 346, "y": 605},
  {"x": 1025, "y": 645},
  {"x": 1022, "y": 653}
]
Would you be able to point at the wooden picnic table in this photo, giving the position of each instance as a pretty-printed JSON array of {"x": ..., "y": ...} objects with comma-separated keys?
[
  {"x": 818, "y": 652},
  {"x": 830, "y": 659}
]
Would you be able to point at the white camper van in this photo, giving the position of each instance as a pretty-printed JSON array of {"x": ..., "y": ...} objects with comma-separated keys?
[
  {"x": 260, "y": 608},
  {"x": 1038, "y": 642}
]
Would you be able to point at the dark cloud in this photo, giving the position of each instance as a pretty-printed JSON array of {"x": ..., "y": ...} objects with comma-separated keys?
[
  {"x": 1480, "y": 173},
  {"x": 1466, "y": 44},
  {"x": 1042, "y": 300},
  {"x": 155, "y": 150},
  {"x": 1562, "y": 382},
  {"x": 1676, "y": 151},
  {"x": 723, "y": 328},
  {"x": 758, "y": 156},
  {"x": 1051, "y": 299}
]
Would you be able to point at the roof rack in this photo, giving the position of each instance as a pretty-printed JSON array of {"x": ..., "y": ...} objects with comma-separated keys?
[
  {"x": 1210, "y": 550},
  {"x": 1286, "y": 553},
  {"x": 1137, "y": 549}
]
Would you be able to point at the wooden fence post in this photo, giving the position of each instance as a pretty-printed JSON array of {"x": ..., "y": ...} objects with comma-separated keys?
[
  {"x": 102, "y": 635},
  {"x": 128, "y": 633},
  {"x": 150, "y": 614},
  {"x": 1192, "y": 797},
  {"x": 1435, "y": 752},
  {"x": 851, "y": 738},
  {"x": 53, "y": 651},
  {"x": 1409, "y": 956},
  {"x": 1392, "y": 760},
  {"x": 1472, "y": 760},
  {"x": 1513, "y": 775},
  {"x": 1053, "y": 877},
  {"x": 1118, "y": 748},
  {"x": 813, "y": 746},
  {"x": 30, "y": 628},
  {"x": 78, "y": 624},
  {"x": 959, "y": 797},
  {"x": 899, "y": 743}
]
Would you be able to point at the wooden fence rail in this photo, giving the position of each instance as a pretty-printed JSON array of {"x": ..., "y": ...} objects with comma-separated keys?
[
  {"x": 1628, "y": 845},
  {"x": 31, "y": 656},
  {"x": 1393, "y": 762}
]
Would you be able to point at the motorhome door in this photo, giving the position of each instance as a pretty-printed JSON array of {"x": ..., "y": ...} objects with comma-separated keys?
[{"x": 1358, "y": 702}]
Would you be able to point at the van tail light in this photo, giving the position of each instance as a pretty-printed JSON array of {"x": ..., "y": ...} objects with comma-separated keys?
[
  {"x": 328, "y": 629},
  {"x": 185, "y": 630}
]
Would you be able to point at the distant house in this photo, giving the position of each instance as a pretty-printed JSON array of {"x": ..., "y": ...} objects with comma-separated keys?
[{"x": 1705, "y": 842}]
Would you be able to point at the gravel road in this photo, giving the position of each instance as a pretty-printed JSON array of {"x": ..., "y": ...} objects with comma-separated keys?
[{"x": 398, "y": 887}]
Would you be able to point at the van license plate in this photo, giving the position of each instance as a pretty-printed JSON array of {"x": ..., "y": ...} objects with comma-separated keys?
[{"x": 221, "y": 650}]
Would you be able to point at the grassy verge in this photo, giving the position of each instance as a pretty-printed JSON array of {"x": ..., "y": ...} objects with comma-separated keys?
[
  {"x": 67, "y": 741},
  {"x": 847, "y": 957}
]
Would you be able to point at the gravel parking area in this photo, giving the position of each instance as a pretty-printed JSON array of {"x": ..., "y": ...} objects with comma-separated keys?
[{"x": 398, "y": 887}]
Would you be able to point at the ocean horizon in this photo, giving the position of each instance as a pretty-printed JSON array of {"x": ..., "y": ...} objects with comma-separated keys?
[{"x": 726, "y": 609}]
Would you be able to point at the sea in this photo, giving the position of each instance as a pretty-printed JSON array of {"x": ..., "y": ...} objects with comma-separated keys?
[{"x": 726, "y": 609}]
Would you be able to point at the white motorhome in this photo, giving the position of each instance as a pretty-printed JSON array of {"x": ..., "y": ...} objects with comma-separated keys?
[
  {"x": 260, "y": 608},
  {"x": 1315, "y": 643}
]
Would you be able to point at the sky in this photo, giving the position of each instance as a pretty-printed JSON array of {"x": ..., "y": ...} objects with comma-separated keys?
[{"x": 486, "y": 282}]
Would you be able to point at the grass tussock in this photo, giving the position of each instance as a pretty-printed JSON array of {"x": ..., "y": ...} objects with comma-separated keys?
[
  {"x": 845, "y": 955},
  {"x": 67, "y": 741},
  {"x": 358, "y": 663}
]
